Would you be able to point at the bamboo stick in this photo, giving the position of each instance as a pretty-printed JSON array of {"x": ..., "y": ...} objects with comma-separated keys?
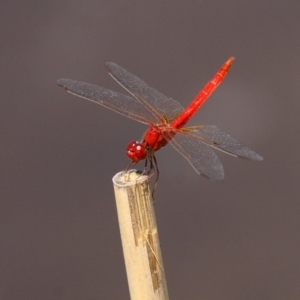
[{"x": 141, "y": 247}]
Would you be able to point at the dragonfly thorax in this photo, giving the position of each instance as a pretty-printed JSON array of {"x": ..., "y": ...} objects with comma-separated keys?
[{"x": 153, "y": 138}]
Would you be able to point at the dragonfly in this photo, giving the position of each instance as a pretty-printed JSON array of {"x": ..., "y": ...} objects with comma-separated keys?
[{"x": 166, "y": 119}]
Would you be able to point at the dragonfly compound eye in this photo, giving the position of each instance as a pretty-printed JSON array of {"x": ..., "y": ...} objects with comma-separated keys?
[{"x": 136, "y": 151}]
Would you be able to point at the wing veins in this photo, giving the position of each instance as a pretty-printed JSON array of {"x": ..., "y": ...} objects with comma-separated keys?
[{"x": 120, "y": 103}]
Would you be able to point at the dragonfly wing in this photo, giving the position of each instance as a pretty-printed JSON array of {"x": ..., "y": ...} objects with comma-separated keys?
[
  {"x": 200, "y": 156},
  {"x": 158, "y": 104},
  {"x": 218, "y": 139},
  {"x": 123, "y": 104}
]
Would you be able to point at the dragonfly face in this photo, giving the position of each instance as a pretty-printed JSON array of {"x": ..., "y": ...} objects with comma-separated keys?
[{"x": 136, "y": 151}]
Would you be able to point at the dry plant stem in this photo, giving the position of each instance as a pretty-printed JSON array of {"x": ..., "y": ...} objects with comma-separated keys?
[{"x": 141, "y": 247}]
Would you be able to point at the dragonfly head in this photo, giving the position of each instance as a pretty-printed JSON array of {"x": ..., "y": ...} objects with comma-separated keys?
[{"x": 136, "y": 151}]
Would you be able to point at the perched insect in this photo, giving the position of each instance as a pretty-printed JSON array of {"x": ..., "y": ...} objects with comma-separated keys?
[{"x": 166, "y": 119}]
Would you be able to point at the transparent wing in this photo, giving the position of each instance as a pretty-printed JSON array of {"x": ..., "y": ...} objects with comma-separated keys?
[
  {"x": 123, "y": 104},
  {"x": 218, "y": 139},
  {"x": 194, "y": 144},
  {"x": 200, "y": 156},
  {"x": 158, "y": 104}
]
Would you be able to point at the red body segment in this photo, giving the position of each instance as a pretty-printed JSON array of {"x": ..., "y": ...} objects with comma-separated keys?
[
  {"x": 153, "y": 138},
  {"x": 202, "y": 96}
]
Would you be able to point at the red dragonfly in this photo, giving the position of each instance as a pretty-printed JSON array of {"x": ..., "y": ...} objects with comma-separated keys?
[{"x": 165, "y": 118}]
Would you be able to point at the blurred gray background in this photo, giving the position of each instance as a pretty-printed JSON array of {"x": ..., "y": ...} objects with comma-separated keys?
[{"x": 59, "y": 235}]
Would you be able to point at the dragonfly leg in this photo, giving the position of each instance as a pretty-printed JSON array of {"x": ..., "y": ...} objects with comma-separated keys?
[
  {"x": 145, "y": 166},
  {"x": 130, "y": 165},
  {"x": 154, "y": 169}
]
